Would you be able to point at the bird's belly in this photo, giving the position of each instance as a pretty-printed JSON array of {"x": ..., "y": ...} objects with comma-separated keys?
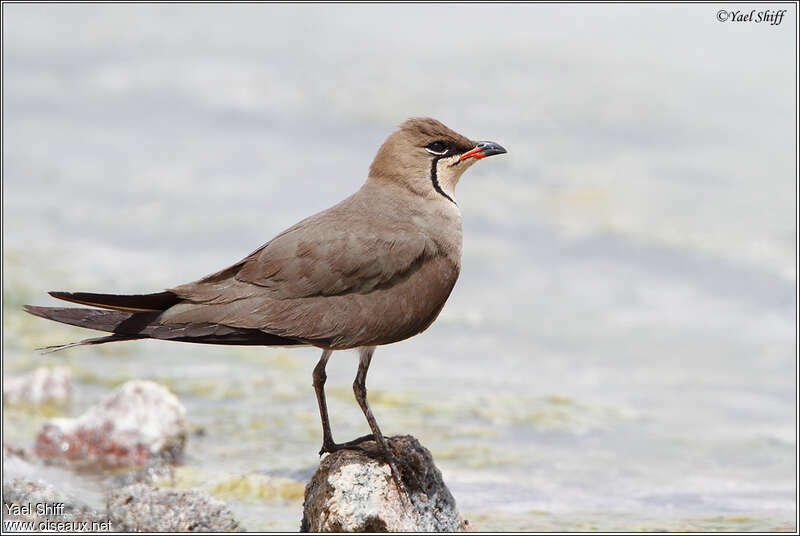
[{"x": 387, "y": 315}]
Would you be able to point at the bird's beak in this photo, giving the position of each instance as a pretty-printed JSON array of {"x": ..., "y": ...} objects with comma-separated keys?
[{"x": 482, "y": 150}]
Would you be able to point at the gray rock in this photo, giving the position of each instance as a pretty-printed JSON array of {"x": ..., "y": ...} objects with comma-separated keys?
[
  {"x": 48, "y": 509},
  {"x": 138, "y": 422},
  {"x": 143, "y": 508},
  {"x": 351, "y": 492},
  {"x": 41, "y": 386}
]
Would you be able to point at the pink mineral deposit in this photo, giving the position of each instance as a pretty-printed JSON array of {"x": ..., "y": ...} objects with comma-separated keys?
[{"x": 139, "y": 421}]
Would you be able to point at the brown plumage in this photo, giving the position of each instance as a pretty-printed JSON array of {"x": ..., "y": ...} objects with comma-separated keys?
[{"x": 374, "y": 269}]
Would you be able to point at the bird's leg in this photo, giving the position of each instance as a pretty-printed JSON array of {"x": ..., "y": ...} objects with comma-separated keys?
[
  {"x": 319, "y": 377},
  {"x": 360, "y": 390},
  {"x": 328, "y": 445}
]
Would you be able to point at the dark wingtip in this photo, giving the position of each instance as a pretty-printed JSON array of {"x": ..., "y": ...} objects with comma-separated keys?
[{"x": 158, "y": 301}]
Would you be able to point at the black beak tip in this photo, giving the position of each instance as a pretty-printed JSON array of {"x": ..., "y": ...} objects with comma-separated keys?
[{"x": 489, "y": 148}]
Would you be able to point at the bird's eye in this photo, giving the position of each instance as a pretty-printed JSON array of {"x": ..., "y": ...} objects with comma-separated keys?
[{"x": 437, "y": 148}]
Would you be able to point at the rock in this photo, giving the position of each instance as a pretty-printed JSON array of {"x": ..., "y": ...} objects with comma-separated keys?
[
  {"x": 41, "y": 386},
  {"x": 351, "y": 492},
  {"x": 138, "y": 422},
  {"x": 143, "y": 508},
  {"x": 40, "y": 503}
]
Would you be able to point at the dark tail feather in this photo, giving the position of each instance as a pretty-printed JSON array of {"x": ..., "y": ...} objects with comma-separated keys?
[
  {"x": 129, "y": 325},
  {"x": 125, "y": 323},
  {"x": 96, "y": 340},
  {"x": 111, "y": 321},
  {"x": 159, "y": 301}
]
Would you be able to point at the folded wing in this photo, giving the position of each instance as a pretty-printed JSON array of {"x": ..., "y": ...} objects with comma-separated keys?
[{"x": 335, "y": 280}]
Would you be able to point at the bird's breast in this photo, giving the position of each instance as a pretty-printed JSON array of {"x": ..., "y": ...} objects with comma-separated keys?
[{"x": 443, "y": 227}]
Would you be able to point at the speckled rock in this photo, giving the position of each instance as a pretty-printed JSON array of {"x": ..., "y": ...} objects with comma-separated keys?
[
  {"x": 143, "y": 508},
  {"x": 46, "y": 507},
  {"x": 138, "y": 422},
  {"x": 351, "y": 492},
  {"x": 43, "y": 385}
]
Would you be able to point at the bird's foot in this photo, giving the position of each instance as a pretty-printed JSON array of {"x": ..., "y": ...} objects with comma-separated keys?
[
  {"x": 330, "y": 446},
  {"x": 389, "y": 459}
]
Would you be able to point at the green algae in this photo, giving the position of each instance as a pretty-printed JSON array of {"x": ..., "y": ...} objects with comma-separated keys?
[
  {"x": 257, "y": 487},
  {"x": 377, "y": 397},
  {"x": 46, "y": 410},
  {"x": 181, "y": 477},
  {"x": 90, "y": 376}
]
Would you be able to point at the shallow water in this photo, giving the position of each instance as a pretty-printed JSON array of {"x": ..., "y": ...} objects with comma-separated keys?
[{"x": 619, "y": 352}]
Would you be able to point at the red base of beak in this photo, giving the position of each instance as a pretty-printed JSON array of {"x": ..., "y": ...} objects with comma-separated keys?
[{"x": 474, "y": 153}]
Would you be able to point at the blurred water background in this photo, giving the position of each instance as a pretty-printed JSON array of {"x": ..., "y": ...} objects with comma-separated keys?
[{"x": 619, "y": 352}]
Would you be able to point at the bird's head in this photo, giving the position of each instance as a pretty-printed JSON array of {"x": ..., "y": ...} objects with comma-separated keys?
[{"x": 427, "y": 157}]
